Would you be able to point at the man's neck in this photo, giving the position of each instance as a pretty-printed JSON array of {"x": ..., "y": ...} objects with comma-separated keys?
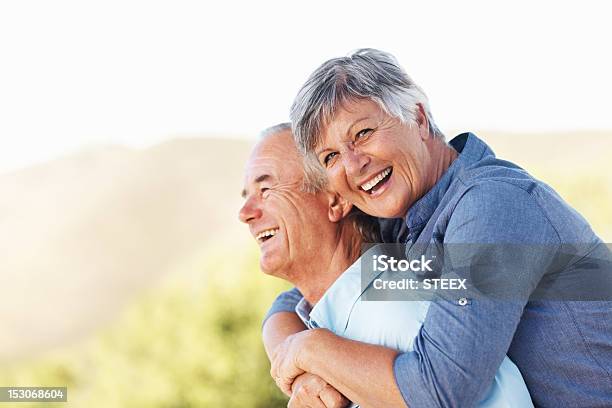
[{"x": 333, "y": 259}]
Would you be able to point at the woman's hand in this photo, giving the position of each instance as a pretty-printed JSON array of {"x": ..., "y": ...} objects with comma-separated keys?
[
  {"x": 310, "y": 390},
  {"x": 286, "y": 359}
]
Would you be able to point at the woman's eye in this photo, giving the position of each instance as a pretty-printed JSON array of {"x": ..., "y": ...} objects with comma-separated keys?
[
  {"x": 329, "y": 157},
  {"x": 263, "y": 191},
  {"x": 362, "y": 133}
]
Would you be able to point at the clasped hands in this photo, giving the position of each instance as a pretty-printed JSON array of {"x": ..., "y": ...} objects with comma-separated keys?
[{"x": 289, "y": 371}]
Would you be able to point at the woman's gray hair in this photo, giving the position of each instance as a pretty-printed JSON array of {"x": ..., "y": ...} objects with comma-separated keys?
[{"x": 365, "y": 74}]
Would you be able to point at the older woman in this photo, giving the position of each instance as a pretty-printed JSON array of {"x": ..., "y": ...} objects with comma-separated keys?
[{"x": 369, "y": 126}]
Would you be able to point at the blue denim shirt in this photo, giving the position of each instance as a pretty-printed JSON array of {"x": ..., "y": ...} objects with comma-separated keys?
[{"x": 563, "y": 348}]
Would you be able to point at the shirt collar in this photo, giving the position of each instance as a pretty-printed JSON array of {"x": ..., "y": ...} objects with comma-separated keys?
[
  {"x": 334, "y": 308},
  {"x": 471, "y": 149},
  {"x": 303, "y": 309}
]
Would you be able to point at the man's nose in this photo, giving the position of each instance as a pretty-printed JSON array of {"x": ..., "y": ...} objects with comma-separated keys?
[
  {"x": 355, "y": 162},
  {"x": 250, "y": 210}
]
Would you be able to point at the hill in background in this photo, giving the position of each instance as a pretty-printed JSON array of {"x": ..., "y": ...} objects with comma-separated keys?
[{"x": 81, "y": 235}]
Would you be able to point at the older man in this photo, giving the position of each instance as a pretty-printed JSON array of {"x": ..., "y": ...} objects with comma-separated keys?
[
  {"x": 303, "y": 237},
  {"x": 364, "y": 121}
]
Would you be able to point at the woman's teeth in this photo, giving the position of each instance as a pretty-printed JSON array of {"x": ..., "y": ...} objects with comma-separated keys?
[
  {"x": 266, "y": 234},
  {"x": 370, "y": 184}
]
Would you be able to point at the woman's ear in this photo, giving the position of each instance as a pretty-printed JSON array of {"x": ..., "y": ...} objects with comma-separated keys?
[
  {"x": 338, "y": 207},
  {"x": 422, "y": 121}
]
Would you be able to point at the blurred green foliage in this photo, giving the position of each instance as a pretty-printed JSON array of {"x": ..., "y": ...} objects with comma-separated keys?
[{"x": 194, "y": 342}]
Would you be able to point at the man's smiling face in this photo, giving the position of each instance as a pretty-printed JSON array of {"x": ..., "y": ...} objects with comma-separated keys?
[{"x": 283, "y": 218}]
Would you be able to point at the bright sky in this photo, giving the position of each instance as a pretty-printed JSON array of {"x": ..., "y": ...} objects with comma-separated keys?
[{"x": 79, "y": 73}]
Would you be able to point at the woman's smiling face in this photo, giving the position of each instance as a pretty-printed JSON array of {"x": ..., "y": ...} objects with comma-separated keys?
[{"x": 374, "y": 160}]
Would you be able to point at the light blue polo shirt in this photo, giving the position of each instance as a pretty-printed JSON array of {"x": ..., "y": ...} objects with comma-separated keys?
[{"x": 395, "y": 324}]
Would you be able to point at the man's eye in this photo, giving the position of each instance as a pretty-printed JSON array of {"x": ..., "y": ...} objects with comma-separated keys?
[
  {"x": 264, "y": 191},
  {"x": 329, "y": 157},
  {"x": 362, "y": 133}
]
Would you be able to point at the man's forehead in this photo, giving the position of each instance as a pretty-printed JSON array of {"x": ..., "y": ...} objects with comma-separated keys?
[
  {"x": 274, "y": 159},
  {"x": 260, "y": 169}
]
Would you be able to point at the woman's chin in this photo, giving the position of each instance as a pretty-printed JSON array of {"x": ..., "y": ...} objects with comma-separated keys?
[{"x": 386, "y": 207}]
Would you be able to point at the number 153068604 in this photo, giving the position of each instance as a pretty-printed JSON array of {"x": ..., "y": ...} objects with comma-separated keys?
[{"x": 33, "y": 394}]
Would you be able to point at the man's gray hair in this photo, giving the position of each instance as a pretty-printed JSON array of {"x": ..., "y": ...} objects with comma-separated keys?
[
  {"x": 314, "y": 179},
  {"x": 365, "y": 74},
  {"x": 272, "y": 130}
]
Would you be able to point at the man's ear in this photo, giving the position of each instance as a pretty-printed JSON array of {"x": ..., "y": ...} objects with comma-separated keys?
[{"x": 338, "y": 207}]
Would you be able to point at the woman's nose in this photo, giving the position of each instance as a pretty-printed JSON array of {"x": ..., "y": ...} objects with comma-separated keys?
[{"x": 355, "y": 162}]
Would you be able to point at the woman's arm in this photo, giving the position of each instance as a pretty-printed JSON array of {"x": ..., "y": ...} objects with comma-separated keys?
[{"x": 363, "y": 372}]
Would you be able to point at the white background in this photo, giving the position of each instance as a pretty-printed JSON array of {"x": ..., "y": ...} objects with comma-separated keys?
[{"x": 76, "y": 74}]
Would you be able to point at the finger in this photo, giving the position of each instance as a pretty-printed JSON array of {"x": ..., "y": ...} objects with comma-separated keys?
[
  {"x": 274, "y": 368},
  {"x": 332, "y": 398},
  {"x": 280, "y": 383},
  {"x": 285, "y": 376},
  {"x": 302, "y": 399},
  {"x": 284, "y": 384}
]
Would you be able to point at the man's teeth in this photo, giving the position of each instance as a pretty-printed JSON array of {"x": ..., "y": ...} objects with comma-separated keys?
[
  {"x": 370, "y": 184},
  {"x": 267, "y": 233}
]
